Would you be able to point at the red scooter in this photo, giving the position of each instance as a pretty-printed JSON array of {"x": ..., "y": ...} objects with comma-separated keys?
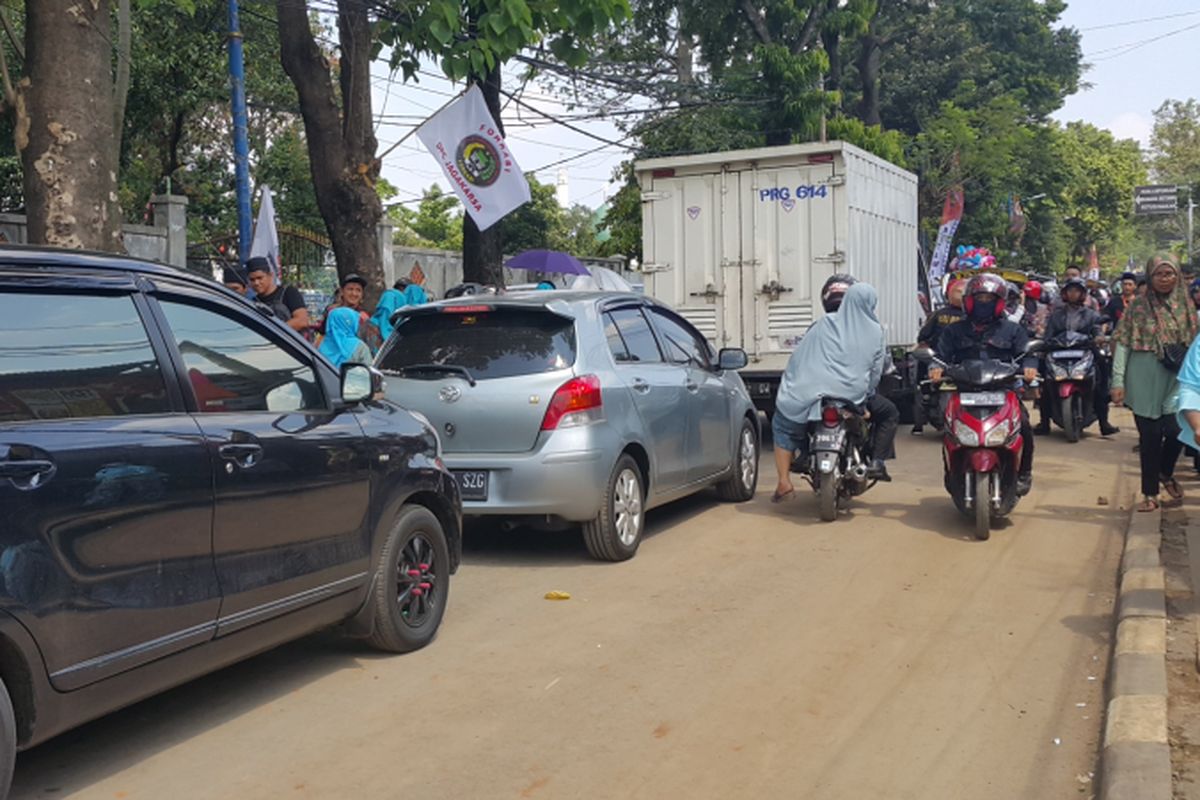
[{"x": 982, "y": 442}]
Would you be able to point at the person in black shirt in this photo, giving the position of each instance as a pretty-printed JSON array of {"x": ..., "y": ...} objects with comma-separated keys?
[
  {"x": 986, "y": 333},
  {"x": 1073, "y": 315},
  {"x": 285, "y": 301},
  {"x": 928, "y": 336}
]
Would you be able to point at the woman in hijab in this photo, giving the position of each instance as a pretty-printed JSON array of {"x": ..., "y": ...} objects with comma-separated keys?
[
  {"x": 403, "y": 293},
  {"x": 341, "y": 344},
  {"x": 842, "y": 355},
  {"x": 1154, "y": 328}
]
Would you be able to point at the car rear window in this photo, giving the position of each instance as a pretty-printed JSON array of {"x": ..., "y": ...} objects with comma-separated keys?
[{"x": 499, "y": 343}]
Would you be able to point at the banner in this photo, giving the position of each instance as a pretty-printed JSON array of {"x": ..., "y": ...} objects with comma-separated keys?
[
  {"x": 485, "y": 176},
  {"x": 1016, "y": 217},
  {"x": 266, "y": 237},
  {"x": 952, "y": 213}
]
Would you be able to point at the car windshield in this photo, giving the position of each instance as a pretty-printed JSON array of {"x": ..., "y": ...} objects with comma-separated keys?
[{"x": 496, "y": 343}]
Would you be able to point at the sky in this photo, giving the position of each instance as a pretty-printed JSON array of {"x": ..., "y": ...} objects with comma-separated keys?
[{"x": 1139, "y": 55}]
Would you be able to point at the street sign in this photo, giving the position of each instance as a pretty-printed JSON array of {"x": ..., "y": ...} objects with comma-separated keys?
[{"x": 1148, "y": 200}]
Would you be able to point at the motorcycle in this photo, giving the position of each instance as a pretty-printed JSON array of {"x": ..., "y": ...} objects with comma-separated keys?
[
  {"x": 1069, "y": 375},
  {"x": 982, "y": 442},
  {"x": 836, "y": 464}
]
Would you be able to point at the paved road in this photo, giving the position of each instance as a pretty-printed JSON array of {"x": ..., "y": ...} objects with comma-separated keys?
[{"x": 746, "y": 652}]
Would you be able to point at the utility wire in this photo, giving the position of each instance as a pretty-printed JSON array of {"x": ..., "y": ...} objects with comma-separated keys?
[
  {"x": 1129, "y": 48},
  {"x": 1137, "y": 21}
]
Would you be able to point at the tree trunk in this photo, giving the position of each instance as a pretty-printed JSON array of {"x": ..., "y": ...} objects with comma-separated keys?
[
  {"x": 483, "y": 251},
  {"x": 832, "y": 42},
  {"x": 341, "y": 141},
  {"x": 64, "y": 126},
  {"x": 868, "y": 73}
]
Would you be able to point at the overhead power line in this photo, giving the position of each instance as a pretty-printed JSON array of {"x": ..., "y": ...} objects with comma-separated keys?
[
  {"x": 1123, "y": 49},
  {"x": 1137, "y": 21}
]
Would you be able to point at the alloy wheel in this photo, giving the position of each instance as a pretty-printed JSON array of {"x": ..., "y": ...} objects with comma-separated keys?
[
  {"x": 627, "y": 507},
  {"x": 416, "y": 581}
]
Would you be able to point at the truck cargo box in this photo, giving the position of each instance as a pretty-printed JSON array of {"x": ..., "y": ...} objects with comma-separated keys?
[{"x": 741, "y": 242}]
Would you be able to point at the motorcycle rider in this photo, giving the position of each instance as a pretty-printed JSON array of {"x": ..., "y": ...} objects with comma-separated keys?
[
  {"x": 1116, "y": 306},
  {"x": 884, "y": 416},
  {"x": 985, "y": 333},
  {"x": 1073, "y": 315},
  {"x": 928, "y": 336},
  {"x": 1036, "y": 311},
  {"x": 842, "y": 355}
]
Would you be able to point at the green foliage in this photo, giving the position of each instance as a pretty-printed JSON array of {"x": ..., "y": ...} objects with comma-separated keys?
[
  {"x": 436, "y": 222},
  {"x": 1175, "y": 143},
  {"x": 473, "y": 37},
  {"x": 872, "y": 138}
]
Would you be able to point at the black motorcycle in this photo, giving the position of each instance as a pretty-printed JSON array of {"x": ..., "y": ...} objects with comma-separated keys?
[
  {"x": 1069, "y": 376},
  {"x": 838, "y": 458}
]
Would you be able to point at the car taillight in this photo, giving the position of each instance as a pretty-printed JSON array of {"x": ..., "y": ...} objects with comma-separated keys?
[
  {"x": 830, "y": 416},
  {"x": 577, "y": 402},
  {"x": 466, "y": 309}
]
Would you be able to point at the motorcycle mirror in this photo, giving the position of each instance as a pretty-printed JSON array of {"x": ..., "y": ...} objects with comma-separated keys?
[
  {"x": 1036, "y": 346},
  {"x": 923, "y": 354}
]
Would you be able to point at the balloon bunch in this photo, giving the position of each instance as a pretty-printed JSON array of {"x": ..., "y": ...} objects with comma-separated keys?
[{"x": 974, "y": 258}]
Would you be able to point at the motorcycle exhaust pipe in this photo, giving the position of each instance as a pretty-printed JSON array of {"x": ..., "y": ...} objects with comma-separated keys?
[{"x": 859, "y": 472}]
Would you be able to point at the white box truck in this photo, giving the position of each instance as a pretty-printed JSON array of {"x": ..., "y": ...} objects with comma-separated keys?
[{"x": 741, "y": 242}]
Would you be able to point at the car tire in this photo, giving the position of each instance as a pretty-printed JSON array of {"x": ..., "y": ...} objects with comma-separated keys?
[
  {"x": 616, "y": 532},
  {"x": 412, "y": 582},
  {"x": 8, "y": 740},
  {"x": 743, "y": 479}
]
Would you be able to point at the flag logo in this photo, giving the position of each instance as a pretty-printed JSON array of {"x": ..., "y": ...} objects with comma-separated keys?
[{"x": 478, "y": 160}]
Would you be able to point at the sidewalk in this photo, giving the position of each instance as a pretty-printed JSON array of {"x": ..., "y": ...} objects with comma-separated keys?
[{"x": 1151, "y": 745}]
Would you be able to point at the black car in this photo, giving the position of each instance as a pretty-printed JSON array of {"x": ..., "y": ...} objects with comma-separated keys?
[{"x": 185, "y": 482}]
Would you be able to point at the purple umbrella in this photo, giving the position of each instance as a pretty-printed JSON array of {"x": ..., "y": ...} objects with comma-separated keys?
[{"x": 547, "y": 261}]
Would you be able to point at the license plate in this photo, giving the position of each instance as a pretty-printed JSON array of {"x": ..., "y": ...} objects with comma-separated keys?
[
  {"x": 831, "y": 440},
  {"x": 1068, "y": 354},
  {"x": 982, "y": 399},
  {"x": 472, "y": 483}
]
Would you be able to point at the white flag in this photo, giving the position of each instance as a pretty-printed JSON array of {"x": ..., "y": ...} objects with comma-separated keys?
[
  {"x": 464, "y": 140},
  {"x": 266, "y": 237}
]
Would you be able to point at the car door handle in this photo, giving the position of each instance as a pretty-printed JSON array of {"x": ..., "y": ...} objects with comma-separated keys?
[
  {"x": 640, "y": 386},
  {"x": 243, "y": 454},
  {"x": 27, "y": 473}
]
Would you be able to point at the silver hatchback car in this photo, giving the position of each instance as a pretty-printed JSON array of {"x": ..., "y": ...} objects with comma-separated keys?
[{"x": 559, "y": 407}]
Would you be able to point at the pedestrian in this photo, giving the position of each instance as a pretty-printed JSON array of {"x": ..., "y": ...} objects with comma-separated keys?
[
  {"x": 341, "y": 344},
  {"x": 233, "y": 280},
  {"x": 285, "y": 302},
  {"x": 1151, "y": 342},
  {"x": 403, "y": 293},
  {"x": 351, "y": 294}
]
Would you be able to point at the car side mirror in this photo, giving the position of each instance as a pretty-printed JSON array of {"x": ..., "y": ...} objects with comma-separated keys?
[
  {"x": 732, "y": 358},
  {"x": 360, "y": 383}
]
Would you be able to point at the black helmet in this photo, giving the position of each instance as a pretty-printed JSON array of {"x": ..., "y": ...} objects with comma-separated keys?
[
  {"x": 1073, "y": 283},
  {"x": 834, "y": 290},
  {"x": 464, "y": 290}
]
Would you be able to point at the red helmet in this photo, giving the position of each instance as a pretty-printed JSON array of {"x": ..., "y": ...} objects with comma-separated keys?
[
  {"x": 1033, "y": 290},
  {"x": 986, "y": 283}
]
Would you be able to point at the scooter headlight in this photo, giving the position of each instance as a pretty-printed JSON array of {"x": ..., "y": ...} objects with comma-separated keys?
[
  {"x": 998, "y": 436},
  {"x": 1059, "y": 371},
  {"x": 965, "y": 435},
  {"x": 1081, "y": 368}
]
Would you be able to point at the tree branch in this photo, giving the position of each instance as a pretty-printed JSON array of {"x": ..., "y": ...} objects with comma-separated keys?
[
  {"x": 121, "y": 85},
  {"x": 306, "y": 65},
  {"x": 756, "y": 21},
  {"x": 809, "y": 30},
  {"x": 17, "y": 47},
  {"x": 10, "y": 93}
]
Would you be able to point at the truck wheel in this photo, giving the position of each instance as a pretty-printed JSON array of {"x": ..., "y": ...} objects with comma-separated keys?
[
  {"x": 616, "y": 532},
  {"x": 827, "y": 496},
  {"x": 412, "y": 582},
  {"x": 1070, "y": 418},
  {"x": 743, "y": 479},
  {"x": 983, "y": 508}
]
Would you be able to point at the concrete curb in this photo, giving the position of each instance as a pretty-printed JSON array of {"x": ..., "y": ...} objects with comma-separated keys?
[{"x": 1136, "y": 762}]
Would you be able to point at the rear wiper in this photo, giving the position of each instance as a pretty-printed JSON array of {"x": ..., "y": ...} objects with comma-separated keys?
[{"x": 455, "y": 368}]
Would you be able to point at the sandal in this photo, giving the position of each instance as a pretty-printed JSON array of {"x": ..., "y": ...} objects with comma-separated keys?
[
  {"x": 779, "y": 498},
  {"x": 1148, "y": 504},
  {"x": 1172, "y": 487}
]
